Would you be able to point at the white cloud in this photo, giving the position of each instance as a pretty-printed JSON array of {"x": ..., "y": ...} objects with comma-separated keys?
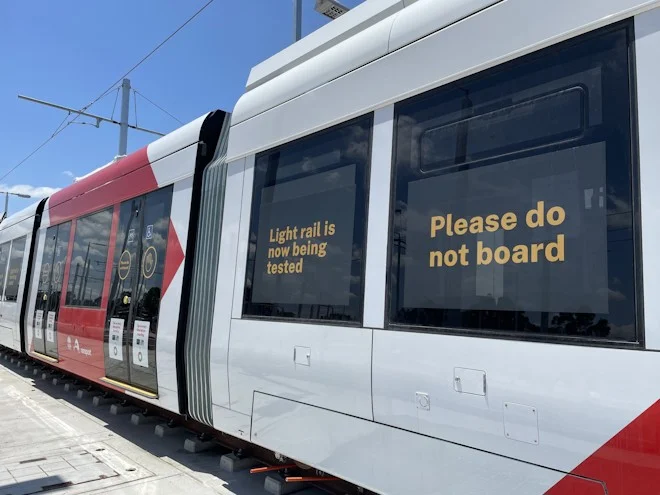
[
  {"x": 70, "y": 174},
  {"x": 33, "y": 191}
]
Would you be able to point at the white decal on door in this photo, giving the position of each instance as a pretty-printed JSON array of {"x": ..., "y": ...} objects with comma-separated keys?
[
  {"x": 116, "y": 344},
  {"x": 38, "y": 324},
  {"x": 50, "y": 326},
  {"x": 140, "y": 343}
]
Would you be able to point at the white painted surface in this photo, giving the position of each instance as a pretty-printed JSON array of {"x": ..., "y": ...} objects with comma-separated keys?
[
  {"x": 388, "y": 460},
  {"x": 177, "y": 166},
  {"x": 468, "y": 381},
  {"x": 378, "y": 218},
  {"x": 428, "y": 16},
  {"x": 647, "y": 51},
  {"x": 366, "y": 33},
  {"x": 338, "y": 378},
  {"x": 181, "y": 201},
  {"x": 243, "y": 238},
  {"x": 178, "y": 139},
  {"x": 224, "y": 290},
  {"x": 170, "y": 304},
  {"x": 168, "y": 319},
  {"x": 116, "y": 339},
  {"x": 580, "y": 393},
  {"x": 412, "y": 69},
  {"x": 232, "y": 422},
  {"x": 334, "y": 62},
  {"x": 34, "y": 282},
  {"x": 19, "y": 216},
  {"x": 21, "y": 224},
  {"x": 357, "y": 19}
]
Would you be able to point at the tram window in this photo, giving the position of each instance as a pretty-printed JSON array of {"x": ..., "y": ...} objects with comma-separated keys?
[
  {"x": 4, "y": 260},
  {"x": 89, "y": 258},
  {"x": 513, "y": 207},
  {"x": 308, "y": 226},
  {"x": 14, "y": 271},
  {"x": 43, "y": 290}
]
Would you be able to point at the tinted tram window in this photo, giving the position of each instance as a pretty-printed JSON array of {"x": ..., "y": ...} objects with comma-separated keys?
[
  {"x": 4, "y": 260},
  {"x": 307, "y": 228},
  {"x": 61, "y": 248},
  {"x": 43, "y": 290},
  {"x": 90, "y": 255},
  {"x": 14, "y": 271},
  {"x": 513, "y": 208}
]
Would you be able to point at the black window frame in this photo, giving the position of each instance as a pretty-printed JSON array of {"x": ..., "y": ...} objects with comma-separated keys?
[
  {"x": 18, "y": 280},
  {"x": 368, "y": 120},
  {"x": 100, "y": 306},
  {"x": 636, "y": 223},
  {"x": 3, "y": 276}
]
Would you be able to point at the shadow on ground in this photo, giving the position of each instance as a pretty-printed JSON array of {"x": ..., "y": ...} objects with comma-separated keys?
[{"x": 166, "y": 448}]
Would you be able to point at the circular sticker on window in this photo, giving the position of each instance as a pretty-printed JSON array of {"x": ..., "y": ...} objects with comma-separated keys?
[
  {"x": 57, "y": 272},
  {"x": 45, "y": 272},
  {"x": 149, "y": 262},
  {"x": 124, "y": 265}
]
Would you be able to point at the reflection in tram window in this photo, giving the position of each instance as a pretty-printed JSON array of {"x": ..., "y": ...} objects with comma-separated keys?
[
  {"x": 307, "y": 228},
  {"x": 4, "y": 260},
  {"x": 14, "y": 270},
  {"x": 513, "y": 208},
  {"x": 90, "y": 254},
  {"x": 49, "y": 290},
  {"x": 136, "y": 285}
]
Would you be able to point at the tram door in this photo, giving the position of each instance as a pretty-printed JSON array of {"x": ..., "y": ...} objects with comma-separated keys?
[
  {"x": 49, "y": 292},
  {"x": 137, "y": 279}
]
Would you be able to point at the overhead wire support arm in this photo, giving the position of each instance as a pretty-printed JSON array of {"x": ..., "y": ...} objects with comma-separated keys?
[
  {"x": 63, "y": 125},
  {"x": 98, "y": 118}
]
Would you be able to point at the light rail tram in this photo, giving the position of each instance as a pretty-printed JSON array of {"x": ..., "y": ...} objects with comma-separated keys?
[{"x": 421, "y": 254}]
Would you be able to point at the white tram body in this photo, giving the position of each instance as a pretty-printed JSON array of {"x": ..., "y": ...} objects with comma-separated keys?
[
  {"x": 416, "y": 401},
  {"x": 421, "y": 258}
]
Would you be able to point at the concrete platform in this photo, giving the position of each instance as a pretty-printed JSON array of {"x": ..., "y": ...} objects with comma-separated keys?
[{"x": 54, "y": 442}]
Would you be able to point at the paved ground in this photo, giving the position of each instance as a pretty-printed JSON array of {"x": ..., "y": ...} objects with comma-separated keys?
[{"x": 52, "y": 442}]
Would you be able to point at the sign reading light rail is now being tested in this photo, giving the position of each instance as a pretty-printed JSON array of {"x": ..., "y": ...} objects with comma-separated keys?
[{"x": 304, "y": 249}]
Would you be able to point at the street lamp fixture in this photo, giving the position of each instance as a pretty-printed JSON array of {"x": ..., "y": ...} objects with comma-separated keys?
[
  {"x": 7, "y": 193},
  {"x": 330, "y": 8}
]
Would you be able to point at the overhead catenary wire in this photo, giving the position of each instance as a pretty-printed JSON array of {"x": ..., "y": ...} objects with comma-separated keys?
[
  {"x": 59, "y": 128},
  {"x": 114, "y": 106},
  {"x": 57, "y": 131},
  {"x": 135, "y": 107},
  {"x": 136, "y": 92},
  {"x": 61, "y": 123}
]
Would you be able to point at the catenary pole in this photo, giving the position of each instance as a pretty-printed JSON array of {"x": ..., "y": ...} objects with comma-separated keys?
[{"x": 123, "y": 122}]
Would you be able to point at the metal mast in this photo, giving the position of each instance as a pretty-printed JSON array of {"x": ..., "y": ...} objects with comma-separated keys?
[{"x": 123, "y": 123}]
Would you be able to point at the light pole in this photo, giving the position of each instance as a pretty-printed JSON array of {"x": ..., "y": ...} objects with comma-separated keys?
[
  {"x": 7, "y": 193},
  {"x": 329, "y": 8}
]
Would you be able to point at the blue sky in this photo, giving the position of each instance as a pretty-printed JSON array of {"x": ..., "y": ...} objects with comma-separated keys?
[{"x": 68, "y": 52}]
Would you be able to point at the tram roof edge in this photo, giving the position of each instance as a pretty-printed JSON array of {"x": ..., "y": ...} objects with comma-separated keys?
[{"x": 354, "y": 21}]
